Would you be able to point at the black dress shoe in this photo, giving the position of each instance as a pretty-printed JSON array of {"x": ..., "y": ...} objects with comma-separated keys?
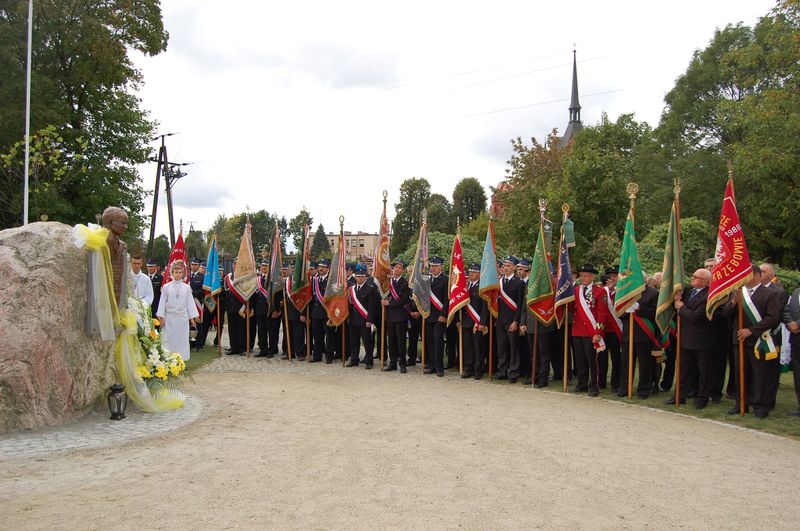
[
  {"x": 716, "y": 399},
  {"x": 500, "y": 377},
  {"x": 440, "y": 373},
  {"x": 478, "y": 376},
  {"x": 540, "y": 385},
  {"x": 428, "y": 370},
  {"x": 284, "y": 356},
  {"x": 403, "y": 369},
  {"x": 642, "y": 396},
  {"x": 261, "y": 355},
  {"x": 351, "y": 364},
  {"x": 699, "y": 405},
  {"x": 761, "y": 413},
  {"x": 391, "y": 367},
  {"x": 526, "y": 381},
  {"x": 466, "y": 375},
  {"x": 368, "y": 366},
  {"x": 735, "y": 410},
  {"x": 512, "y": 380},
  {"x": 328, "y": 361},
  {"x": 593, "y": 393},
  {"x": 314, "y": 360},
  {"x": 671, "y": 401},
  {"x": 579, "y": 389},
  {"x": 621, "y": 394}
]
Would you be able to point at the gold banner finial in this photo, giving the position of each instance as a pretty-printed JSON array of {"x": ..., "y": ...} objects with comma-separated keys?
[{"x": 677, "y": 187}]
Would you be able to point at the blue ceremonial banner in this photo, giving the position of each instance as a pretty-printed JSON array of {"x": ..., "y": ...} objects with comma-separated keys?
[
  {"x": 565, "y": 290},
  {"x": 212, "y": 281},
  {"x": 489, "y": 285}
]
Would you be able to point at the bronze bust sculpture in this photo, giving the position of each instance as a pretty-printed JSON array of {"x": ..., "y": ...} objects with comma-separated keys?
[{"x": 116, "y": 221}]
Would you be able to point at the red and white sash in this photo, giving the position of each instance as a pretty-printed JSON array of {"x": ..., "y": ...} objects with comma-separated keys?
[
  {"x": 506, "y": 299},
  {"x": 319, "y": 294},
  {"x": 262, "y": 289},
  {"x": 598, "y": 345},
  {"x": 616, "y": 323},
  {"x": 472, "y": 313},
  {"x": 357, "y": 304},
  {"x": 394, "y": 291},
  {"x": 436, "y": 302}
]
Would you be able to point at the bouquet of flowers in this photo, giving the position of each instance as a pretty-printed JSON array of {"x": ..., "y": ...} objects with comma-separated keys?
[{"x": 161, "y": 370}]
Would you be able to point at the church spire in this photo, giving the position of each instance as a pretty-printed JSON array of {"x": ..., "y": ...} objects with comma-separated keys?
[{"x": 574, "y": 105}]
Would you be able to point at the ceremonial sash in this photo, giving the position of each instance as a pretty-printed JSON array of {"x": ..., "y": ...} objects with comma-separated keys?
[
  {"x": 598, "y": 345},
  {"x": 263, "y": 290},
  {"x": 506, "y": 299},
  {"x": 472, "y": 313},
  {"x": 436, "y": 302},
  {"x": 616, "y": 323},
  {"x": 649, "y": 330},
  {"x": 764, "y": 343},
  {"x": 288, "y": 286},
  {"x": 357, "y": 303},
  {"x": 317, "y": 292},
  {"x": 394, "y": 291},
  {"x": 199, "y": 306}
]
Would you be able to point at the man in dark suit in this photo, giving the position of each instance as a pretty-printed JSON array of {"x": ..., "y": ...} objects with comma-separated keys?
[
  {"x": 643, "y": 344},
  {"x": 396, "y": 319},
  {"x": 156, "y": 278},
  {"x": 770, "y": 280},
  {"x": 196, "y": 279},
  {"x": 260, "y": 311},
  {"x": 763, "y": 309},
  {"x": 697, "y": 340},
  {"x": 474, "y": 322},
  {"x": 525, "y": 337},
  {"x": 363, "y": 314},
  {"x": 297, "y": 323},
  {"x": 236, "y": 322},
  {"x": 436, "y": 322},
  {"x": 510, "y": 306},
  {"x": 318, "y": 313},
  {"x": 791, "y": 317}
]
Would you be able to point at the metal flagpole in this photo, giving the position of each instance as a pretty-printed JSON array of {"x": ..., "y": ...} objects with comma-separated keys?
[{"x": 27, "y": 116}]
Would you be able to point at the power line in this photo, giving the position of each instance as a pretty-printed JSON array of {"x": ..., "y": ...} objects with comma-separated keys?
[{"x": 543, "y": 103}]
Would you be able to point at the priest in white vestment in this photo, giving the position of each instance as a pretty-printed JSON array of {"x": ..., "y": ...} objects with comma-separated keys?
[{"x": 176, "y": 309}]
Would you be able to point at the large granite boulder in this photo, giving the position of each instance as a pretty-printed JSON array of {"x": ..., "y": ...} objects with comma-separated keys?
[{"x": 50, "y": 370}]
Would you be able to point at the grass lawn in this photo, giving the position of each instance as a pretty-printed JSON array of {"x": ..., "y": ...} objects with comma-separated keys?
[
  {"x": 778, "y": 422},
  {"x": 206, "y": 355}
]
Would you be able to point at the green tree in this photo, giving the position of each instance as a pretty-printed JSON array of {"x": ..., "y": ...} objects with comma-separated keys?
[
  {"x": 469, "y": 199},
  {"x": 84, "y": 84},
  {"x": 297, "y": 229},
  {"x": 698, "y": 239},
  {"x": 440, "y": 244},
  {"x": 739, "y": 100},
  {"x": 440, "y": 214},
  {"x": 196, "y": 246},
  {"x": 262, "y": 226},
  {"x": 161, "y": 250},
  {"x": 320, "y": 246},
  {"x": 414, "y": 193}
]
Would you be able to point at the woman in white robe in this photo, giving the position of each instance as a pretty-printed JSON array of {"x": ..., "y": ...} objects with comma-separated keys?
[{"x": 176, "y": 309}]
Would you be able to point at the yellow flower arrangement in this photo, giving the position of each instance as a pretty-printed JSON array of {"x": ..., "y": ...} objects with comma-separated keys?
[
  {"x": 156, "y": 322},
  {"x": 143, "y": 372},
  {"x": 161, "y": 372}
]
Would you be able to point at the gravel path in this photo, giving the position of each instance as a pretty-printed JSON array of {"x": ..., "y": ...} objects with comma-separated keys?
[{"x": 295, "y": 445}]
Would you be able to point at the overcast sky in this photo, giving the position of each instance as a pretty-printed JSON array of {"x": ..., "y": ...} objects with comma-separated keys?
[{"x": 326, "y": 104}]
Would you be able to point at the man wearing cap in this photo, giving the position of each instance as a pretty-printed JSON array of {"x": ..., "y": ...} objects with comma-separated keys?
[
  {"x": 196, "y": 279},
  {"x": 474, "y": 320},
  {"x": 436, "y": 322},
  {"x": 363, "y": 313},
  {"x": 236, "y": 322},
  {"x": 613, "y": 333},
  {"x": 156, "y": 280},
  {"x": 297, "y": 321},
  {"x": 261, "y": 311},
  {"x": 590, "y": 310},
  {"x": 510, "y": 305},
  {"x": 396, "y": 317},
  {"x": 142, "y": 286},
  {"x": 318, "y": 314},
  {"x": 525, "y": 338},
  {"x": 204, "y": 322}
]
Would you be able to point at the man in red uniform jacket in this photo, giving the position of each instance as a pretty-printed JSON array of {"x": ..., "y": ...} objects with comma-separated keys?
[{"x": 590, "y": 309}]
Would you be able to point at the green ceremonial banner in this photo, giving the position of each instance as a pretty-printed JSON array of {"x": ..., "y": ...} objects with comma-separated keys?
[
  {"x": 541, "y": 295},
  {"x": 672, "y": 273},
  {"x": 630, "y": 284}
]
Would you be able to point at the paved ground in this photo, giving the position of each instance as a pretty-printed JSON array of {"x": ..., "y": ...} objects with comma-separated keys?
[{"x": 294, "y": 445}]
